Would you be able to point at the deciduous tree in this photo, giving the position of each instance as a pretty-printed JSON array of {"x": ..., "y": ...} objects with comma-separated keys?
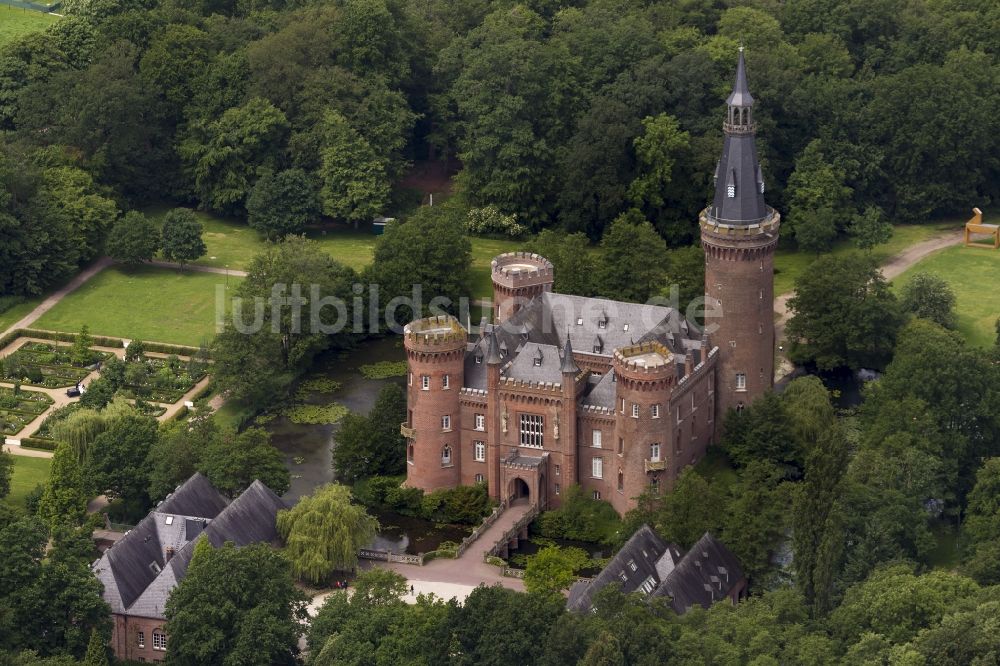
[
  {"x": 181, "y": 236},
  {"x": 133, "y": 239},
  {"x": 324, "y": 531}
]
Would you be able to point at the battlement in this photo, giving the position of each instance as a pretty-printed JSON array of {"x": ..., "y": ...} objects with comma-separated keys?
[
  {"x": 443, "y": 333},
  {"x": 516, "y": 269},
  {"x": 647, "y": 358},
  {"x": 510, "y": 382}
]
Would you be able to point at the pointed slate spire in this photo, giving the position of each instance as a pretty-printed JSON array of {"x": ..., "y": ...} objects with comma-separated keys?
[
  {"x": 569, "y": 366},
  {"x": 739, "y": 196},
  {"x": 741, "y": 89},
  {"x": 493, "y": 350}
]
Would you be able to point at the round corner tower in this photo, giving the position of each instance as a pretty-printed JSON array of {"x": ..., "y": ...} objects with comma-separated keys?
[
  {"x": 435, "y": 353},
  {"x": 739, "y": 233},
  {"x": 517, "y": 278},
  {"x": 645, "y": 374}
]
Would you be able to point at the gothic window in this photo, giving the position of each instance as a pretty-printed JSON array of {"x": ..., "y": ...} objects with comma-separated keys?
[
  {"x": 739, "y": 408},
  {"x": 480, "y": 422},
  {"x": 480, "y": 451},
  {"x": 654, "y": 485},
  {"x": 446, "y": 455},
  {"x": 532, "y": 430}
]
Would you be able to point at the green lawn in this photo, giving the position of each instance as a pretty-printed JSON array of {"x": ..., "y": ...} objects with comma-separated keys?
[
  {"x": 15, "y": 22},
  {"x": 149, "y": 303},
  {"x": 28, "y": 473},
  {"x": 230, "y": 242},
  {"x": 972, "y": 273},
  {"x": 18, "y": 312},
  {"x": 790, "y": 264}
]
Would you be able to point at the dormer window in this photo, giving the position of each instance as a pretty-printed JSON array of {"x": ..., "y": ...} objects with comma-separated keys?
[
  {"x": 479, "y": 359},
  {"x": 579, "y": 321},
  {"x": 602, "y": 323},
  {"x": 625, "y": 328},
  {"x": 731, "y": 191},
  {"x": 538, "y": 361}
]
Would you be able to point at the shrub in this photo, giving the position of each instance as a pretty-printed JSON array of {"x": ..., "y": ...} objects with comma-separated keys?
[
  {"x": 490, "y": 220},
  {"x": 581, "y": 518}
]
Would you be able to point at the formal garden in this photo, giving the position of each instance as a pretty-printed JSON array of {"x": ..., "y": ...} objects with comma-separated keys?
[
  {"x": 49, "y": 365},
  {"x": 19, "y": 407}
]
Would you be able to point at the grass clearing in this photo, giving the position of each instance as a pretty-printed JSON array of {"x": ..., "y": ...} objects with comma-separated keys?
[
  {"x": 149, "y": 303},
  {"x": 28, "y": 473},
  {"x": 971, "y": 272},
  {"x": 15, "y": 22},
  {"x": 230, "y": 242},
  {"x": 790, "y": 264}
]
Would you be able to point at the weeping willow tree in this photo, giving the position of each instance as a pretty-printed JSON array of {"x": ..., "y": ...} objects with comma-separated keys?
[
  {"x": 79, "y": 430},
  {"x": 324, "y": 531}
]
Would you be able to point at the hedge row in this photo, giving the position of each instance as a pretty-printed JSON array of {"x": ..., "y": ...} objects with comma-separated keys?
[
  {"x": 38, "y": 443},
  {"x": 101, "y": 341}
]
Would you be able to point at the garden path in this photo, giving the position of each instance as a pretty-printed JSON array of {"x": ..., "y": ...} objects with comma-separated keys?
[
  {"x": 200, "y": 269},
  {"x": 891, "y": 269}
]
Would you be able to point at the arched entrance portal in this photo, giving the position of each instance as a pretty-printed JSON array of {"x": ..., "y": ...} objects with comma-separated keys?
[{"x": 518, "y": 489}]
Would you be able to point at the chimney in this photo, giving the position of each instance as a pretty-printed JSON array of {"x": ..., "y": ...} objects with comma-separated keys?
[
  {"x": 170, "y": 553},
  {"x": 704, "y": 348},
  {"x": 688, "y": 363}
]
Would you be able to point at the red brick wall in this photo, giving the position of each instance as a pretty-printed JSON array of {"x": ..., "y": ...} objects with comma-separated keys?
[
  {"x": 125, "y": 635},
  {"x": 739, "y": 273},
  {"x": 425, "y": 410}
]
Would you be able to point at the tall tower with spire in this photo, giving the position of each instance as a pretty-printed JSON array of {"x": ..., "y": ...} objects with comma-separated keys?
[{"x": 739, "y": 233}]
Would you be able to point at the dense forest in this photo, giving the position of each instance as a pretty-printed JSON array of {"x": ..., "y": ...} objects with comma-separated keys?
[{"x": 562, "y": 113}]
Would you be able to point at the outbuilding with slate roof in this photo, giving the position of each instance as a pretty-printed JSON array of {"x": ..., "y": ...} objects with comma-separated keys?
[{"x": 143, "y": 567}]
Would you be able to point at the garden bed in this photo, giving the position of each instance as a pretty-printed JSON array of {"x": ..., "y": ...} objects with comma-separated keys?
[
  {"x": 19, "y": 409},
  {"x": 161, "y": 380},
  {"x": 47, "y": 365}
]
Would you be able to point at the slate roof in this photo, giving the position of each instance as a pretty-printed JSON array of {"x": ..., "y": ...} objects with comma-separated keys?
[
  {"x": 195, "y": 497},
  {"x": 739, "y": 167},
  {"x": 703, "y": 575},
  {"x": 141, "y": 569},
  {"x": 536, "y": 363},
  {"x": 602, "y": 391},
  {"x": 633, "y": 565},
  {"x": 550, "y": 321}
]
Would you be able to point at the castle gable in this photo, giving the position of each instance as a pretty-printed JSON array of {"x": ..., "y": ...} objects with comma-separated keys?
[{"x": 536, "y": 363}]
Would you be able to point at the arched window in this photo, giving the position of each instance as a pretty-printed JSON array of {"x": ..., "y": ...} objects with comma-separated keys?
[
  {"x": 409, "y": 453},
  {"x": 739, "y": 408},
  {"x": 621, "y": 481},
  {"x": 446, "y": 455}
]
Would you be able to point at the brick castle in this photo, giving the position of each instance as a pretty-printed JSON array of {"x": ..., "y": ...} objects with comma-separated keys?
[{"x": 617, "y": 397}]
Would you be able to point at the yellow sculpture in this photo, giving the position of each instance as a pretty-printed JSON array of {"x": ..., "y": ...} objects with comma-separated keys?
[{"x": 976, "y": 226}]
